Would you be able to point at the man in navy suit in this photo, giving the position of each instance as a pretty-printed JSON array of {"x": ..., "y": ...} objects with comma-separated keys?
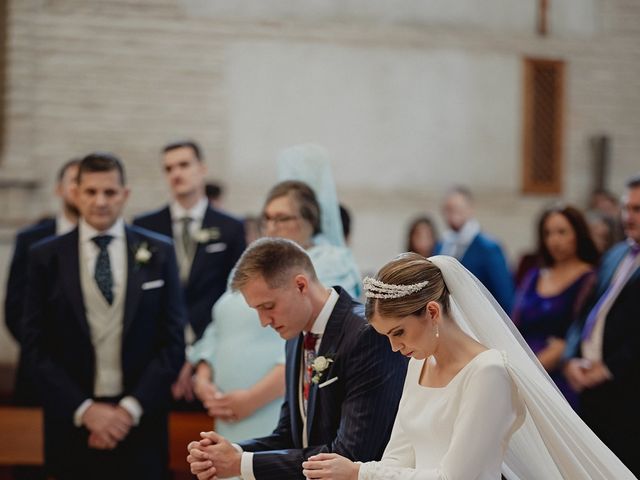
[
  {"x": 477, "y": 251},
  {"x": 604, "y": 347},
  {"x": 103, "y": 329},
  {"x": 25, "y": 392},
  {"x": 343, "y": 382},
  {"x": 207, "y": 242}
]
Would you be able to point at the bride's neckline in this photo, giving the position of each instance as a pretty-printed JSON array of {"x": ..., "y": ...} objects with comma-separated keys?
[{"x": 453, "y": 379}]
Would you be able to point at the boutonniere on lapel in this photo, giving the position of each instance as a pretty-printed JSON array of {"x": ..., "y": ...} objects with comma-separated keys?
[
  {"x": 206, "y": 235},
  {"x": 142, "y": 254},
  {"x": 319, "y": 365}
]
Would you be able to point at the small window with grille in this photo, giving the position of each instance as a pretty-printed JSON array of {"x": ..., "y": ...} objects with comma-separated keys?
[{"x": 542, "y": 136}]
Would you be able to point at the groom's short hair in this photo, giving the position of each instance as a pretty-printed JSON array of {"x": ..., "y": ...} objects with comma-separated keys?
[{"x": 273, "y": 259}]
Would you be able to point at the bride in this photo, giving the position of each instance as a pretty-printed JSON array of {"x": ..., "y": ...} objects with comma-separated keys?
[{"x": 476, "y": 402}]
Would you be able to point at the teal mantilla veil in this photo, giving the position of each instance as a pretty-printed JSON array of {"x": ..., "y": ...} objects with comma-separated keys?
[
  {"x": 309, "y": 163},
  {"x": 334, "y": 262}
]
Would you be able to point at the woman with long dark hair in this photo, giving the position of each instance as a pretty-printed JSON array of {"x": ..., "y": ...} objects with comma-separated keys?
[
  {"x": 551, "y": 295},
  {"x": 422, "y": 236}
]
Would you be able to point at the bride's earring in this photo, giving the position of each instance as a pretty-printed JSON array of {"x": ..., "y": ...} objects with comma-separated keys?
[{"x": 437, "y": 332}]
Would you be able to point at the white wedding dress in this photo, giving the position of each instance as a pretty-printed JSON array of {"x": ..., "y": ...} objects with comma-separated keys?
[
  {"x": 502, "y": 407},
  {"x": 459, "y": 431}
]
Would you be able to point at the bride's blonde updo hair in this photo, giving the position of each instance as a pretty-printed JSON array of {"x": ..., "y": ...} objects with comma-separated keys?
[{"x": 409, "y": 269}]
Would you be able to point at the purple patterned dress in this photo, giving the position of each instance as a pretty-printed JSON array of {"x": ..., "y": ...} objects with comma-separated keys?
[{"x": 539, "y": 318}]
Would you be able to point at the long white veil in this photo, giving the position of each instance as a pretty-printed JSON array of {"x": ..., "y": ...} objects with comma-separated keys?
[{"x": 553, "y": 442}]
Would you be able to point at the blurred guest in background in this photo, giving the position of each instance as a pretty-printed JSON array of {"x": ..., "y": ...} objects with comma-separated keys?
[
  {"x": 422, "y": 236},
  {"x": 25, "y": 392},
  {"x": 207, "y": 243},
  {"x": 608, "y": 204},
  {"x": 527, "y": 262},
  {"x": 603, "y": 230},
  {"x": 603, "y": 348},
  {"x": 215, "y": 193},
  {"x": 551, "y": 296},
  {"x": 477, "y": 251},
  {"x": 345, "y": 219}
]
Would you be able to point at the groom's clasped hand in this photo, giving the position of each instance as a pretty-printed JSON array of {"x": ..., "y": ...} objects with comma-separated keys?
[{"x": 213, "y": 457}]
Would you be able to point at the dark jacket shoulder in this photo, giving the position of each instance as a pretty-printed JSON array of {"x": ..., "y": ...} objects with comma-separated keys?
[
  {"x": 487, "y": 241},
  {"x": 152, "y": 215},
  {"x": 37, "y": 231},
  {"x": 223, "y": 216},
  {"x": 352, "y": 318},
  {"x": 54, "y": 243}
]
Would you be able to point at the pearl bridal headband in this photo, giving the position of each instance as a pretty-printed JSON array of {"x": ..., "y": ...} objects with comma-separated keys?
[{"x": 376, "y": 289}]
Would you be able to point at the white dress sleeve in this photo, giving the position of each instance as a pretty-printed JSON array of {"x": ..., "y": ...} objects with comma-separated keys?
[
  {"x": 399, "y": 451},
  {"x": 481, "y": 431}
]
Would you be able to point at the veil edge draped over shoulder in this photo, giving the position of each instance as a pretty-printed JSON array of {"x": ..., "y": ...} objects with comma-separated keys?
[{"x": 553, "y": 442}]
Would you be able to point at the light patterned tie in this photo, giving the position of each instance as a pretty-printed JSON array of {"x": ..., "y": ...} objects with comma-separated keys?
[
  {"x": 185, "y": 236},
  {"x": 102, "y": 273},
  {"x": 309, "y": 352}
]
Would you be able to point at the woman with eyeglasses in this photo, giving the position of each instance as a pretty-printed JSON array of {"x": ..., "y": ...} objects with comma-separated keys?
[
  {"x": 244, "y": 394},
  {"x": 292, "y": 212}
]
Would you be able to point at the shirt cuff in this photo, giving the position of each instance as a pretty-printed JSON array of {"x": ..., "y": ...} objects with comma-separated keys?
[
  {"x": 133, "y": 407},
  {"x": 246, "y": 464},
  {"x": 79, "y": 413}
]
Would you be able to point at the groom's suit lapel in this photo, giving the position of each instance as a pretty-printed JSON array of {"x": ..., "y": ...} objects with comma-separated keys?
[
  {"x": 294, "y": 355},
  {"x": 331, "y": 339}
]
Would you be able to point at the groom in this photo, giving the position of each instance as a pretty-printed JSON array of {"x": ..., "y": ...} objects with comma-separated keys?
[{"x": 343, "y": 381}]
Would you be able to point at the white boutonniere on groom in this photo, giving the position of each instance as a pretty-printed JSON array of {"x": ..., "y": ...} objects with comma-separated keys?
[{"x": 319, "y": 365}]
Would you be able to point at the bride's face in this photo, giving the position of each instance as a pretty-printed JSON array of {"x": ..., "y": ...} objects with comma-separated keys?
[{"x": 412, "y": 336}]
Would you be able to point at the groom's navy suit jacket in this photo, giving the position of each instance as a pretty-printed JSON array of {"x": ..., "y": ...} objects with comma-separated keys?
[
  {"x": 352, "y": 416},
  {"x": 57, "y": 341},
  {"x": 211, "y": 264}
]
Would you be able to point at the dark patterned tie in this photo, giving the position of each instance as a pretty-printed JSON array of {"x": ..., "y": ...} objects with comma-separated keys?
[
  {"x": 102, "y": 274},
  {"x": 309, "y": 342}
]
